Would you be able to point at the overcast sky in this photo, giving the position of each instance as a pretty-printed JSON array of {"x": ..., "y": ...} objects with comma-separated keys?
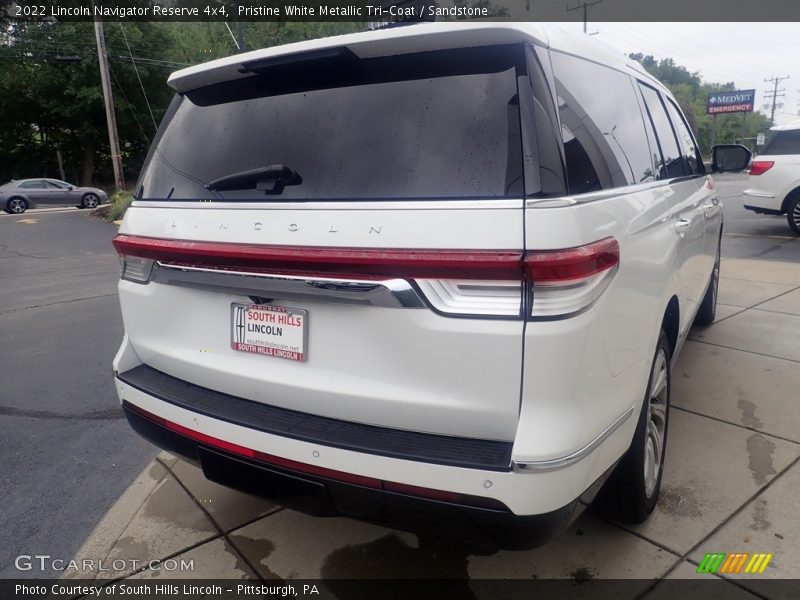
[{"x": 745, "y": 53}]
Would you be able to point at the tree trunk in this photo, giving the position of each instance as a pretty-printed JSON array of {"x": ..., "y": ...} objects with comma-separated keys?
[{"x": 87, "y": 171}]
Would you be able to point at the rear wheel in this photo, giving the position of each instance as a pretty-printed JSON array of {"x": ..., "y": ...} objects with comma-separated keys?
[
  {"x": 631, "y": 492},
  {"x": 16, "y": 206},
  {"x": 708, "y": 307},
  {"x": 793, "y": 214}
]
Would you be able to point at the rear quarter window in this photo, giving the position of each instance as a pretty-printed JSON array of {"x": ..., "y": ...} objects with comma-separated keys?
[{"x": 605, "y": 144}]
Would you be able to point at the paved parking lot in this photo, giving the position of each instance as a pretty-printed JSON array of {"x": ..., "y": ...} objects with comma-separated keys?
[{"x": 732, "y": 479}]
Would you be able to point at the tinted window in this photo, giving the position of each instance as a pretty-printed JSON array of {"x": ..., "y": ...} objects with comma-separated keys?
[
  {"x": 671, "y": 164},
  {"x": 691, "y": 156},
  {"x": 58, "y": 185},
  {"x": 603, "y": 132},
  {"x": 38, "y": 184},
  {"x": 783, "y": 142},
  {"x": 425, "y": 125}
]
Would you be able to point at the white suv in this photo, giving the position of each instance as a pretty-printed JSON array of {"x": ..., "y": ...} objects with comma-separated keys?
[
  {"x": 431, "y": 276},
  {"x": 775, "y": 176}
]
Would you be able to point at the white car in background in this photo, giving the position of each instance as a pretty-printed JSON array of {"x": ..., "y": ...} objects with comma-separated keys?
[
  {"x": 774, "y": 183},
  {"x": 430, "y": 276}
]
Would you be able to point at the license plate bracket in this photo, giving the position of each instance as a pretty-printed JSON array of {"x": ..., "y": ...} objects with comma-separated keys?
[{"x": 270, "y": 330}]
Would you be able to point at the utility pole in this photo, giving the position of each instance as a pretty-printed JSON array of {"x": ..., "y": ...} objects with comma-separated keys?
[
  {"x": 585, "y": 7},
  {"x": 105, "y": 80},
  {"x": 774, "y": 94}
]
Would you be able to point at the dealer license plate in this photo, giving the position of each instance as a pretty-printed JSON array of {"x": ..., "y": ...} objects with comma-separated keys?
[{"x": 269, "y": 330}]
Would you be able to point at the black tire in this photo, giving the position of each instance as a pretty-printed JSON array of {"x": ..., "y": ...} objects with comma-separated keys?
[
  {"x": 16, "y": 206},
  {"x": 90, "y": 201},
  {"x": 793, "y": 214},
  {"x": 631, "y": 491},
  {"x": 708, "y": 307}
]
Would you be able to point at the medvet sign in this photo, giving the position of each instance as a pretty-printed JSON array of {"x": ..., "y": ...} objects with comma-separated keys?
[{"x": 731, "y": 102}]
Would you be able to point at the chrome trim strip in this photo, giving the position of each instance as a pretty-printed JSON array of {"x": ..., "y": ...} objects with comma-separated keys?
[
  {"x": 389, "y": 293},
  {"x": 538, "y": 466},
  {"x": 616, "y": 192},
  {"x": 757, "y": 194}
]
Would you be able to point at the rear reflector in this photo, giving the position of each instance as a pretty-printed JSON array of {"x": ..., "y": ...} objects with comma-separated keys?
[
  {"x": 758, "y": 167},
  {"x": 313, "y": 261},
  {"x": 299, "y": 467}
]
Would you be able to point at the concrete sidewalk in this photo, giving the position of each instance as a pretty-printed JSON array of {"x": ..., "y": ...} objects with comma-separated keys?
[{"x": 731, "y": 484}]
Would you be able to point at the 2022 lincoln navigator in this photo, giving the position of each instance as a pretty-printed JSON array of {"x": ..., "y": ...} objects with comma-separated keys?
[{"x": 431, "y": 276}]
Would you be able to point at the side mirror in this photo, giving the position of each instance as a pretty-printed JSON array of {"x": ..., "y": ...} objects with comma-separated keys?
[
  {"x": 70, "y": 187},
  {"x": 729, "y": 157}
]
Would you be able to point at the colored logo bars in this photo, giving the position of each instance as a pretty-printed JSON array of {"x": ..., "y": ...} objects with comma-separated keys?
[{"x": 735, "y": 562}]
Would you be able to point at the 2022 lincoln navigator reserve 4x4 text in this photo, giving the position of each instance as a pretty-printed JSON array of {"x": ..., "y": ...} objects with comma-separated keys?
[{"x": 431, "y": 276}]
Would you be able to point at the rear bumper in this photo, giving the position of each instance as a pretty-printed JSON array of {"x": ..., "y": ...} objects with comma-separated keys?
[
  {"x": 761, "y": 202},
  {"x": 494, "y": 526}
]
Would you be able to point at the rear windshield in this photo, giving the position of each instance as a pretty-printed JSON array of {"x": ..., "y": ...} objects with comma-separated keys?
[
  {"x": 428, "y": 125},
  {"x": 785, "y": 141}
]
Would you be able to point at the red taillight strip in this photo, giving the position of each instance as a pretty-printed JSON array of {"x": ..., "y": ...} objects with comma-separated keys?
[
  {"x": 548, "y": 266},
  {"x": 370, "y": 482},
  {"x": 328, "y": 261},
  {"x": 759, "y": 167}
]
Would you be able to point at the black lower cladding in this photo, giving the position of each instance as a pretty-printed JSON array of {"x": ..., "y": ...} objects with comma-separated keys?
[
  {"x": 487, "y": 455},
  {"x": 320, "y": 496}
]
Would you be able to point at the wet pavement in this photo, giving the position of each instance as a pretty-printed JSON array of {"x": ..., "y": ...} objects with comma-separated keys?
[{"x": 731, "y": 484}]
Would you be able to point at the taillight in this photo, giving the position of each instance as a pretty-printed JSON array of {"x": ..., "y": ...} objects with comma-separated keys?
[
  {"x": 454, "y": 282},
  {"x": 758, "y": 167},
  {"x": 473, "y": 297},
  {"x": 321, "y": 261},
  {"x": 135, "y": 268},
  {"x": 567, "y": 282}
]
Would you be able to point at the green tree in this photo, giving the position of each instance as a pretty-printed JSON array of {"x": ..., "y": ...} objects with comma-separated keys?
[
  {"x": 51, "y": 106},
  {"x": 692, "y": 92}
]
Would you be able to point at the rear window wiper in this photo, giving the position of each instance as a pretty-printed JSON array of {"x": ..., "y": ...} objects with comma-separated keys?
[{"x": 270, "y": 179}]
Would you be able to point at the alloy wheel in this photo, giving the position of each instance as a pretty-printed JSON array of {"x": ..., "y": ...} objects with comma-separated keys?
[{"x": 656, "y": 423}]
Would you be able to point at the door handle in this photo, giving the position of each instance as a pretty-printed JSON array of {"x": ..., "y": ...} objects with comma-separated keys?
[{"x": 682, "y": 226}]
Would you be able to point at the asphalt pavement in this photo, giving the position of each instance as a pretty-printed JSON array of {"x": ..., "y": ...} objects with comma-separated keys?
[
  {"x": 748, "y": 235},
  {"x": 67, "y": 454}
]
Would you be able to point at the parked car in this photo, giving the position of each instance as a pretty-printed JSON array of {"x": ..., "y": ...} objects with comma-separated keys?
[
  {"x": 18, "y": 196},
  {"x": 431, "y": 276},
  {"x": 774, "y": 182}
]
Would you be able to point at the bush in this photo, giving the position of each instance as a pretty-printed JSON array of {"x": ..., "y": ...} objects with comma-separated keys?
[{"x": 120, "y": 201}]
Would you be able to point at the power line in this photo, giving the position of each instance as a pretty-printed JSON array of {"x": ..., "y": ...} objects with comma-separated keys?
[
  {"x": 130, "y": 106},
  {"x": 722, "y": 72},
  {"x": 136, "y": 70}
]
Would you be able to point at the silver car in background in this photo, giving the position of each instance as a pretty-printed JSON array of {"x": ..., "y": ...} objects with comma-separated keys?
[{"x": 18, "y": 196}]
